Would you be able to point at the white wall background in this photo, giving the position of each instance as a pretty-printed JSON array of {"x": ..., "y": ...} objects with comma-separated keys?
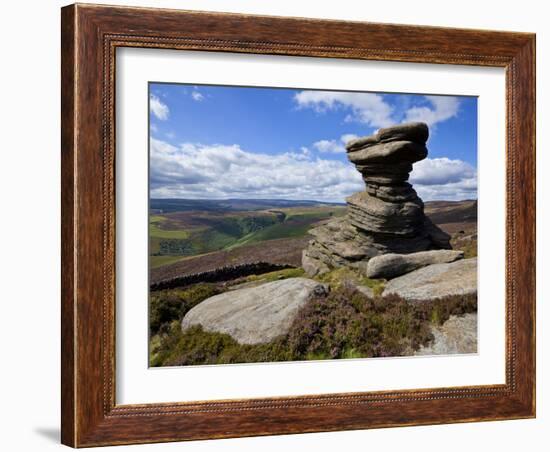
[{"x": 29, "y": 381}]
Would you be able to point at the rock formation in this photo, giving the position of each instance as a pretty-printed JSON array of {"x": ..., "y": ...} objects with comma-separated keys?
[
  {"x": 436, "y": 281},
  {"x": 388, "y": 217},
  {"x": 255, "y": 315},
  {"x": 458, "y": 335},
  {"x": 390, "y": 265}
]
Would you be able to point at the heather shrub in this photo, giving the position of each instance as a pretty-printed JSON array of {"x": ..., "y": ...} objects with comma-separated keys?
[
  {"x": 172, "y": 304},
  {"x": 349, "y": 323},
  {"x": 344, "y": 324},
  {"x": 439, "y": 310}
]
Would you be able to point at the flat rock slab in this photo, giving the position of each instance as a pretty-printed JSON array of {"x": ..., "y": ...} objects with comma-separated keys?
[
  {"x": 457, "y": 335},
  {"x": 391, "y": 265},
  {"x": 436, "y": 281},
  {"x": 412, "y": 131},
  {"x": 256, "y": 314}
]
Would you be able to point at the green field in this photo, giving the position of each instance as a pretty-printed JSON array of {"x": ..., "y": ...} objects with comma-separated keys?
[
  {"x": 177, "y": 235},
  {"x": 155, "y": 231}
]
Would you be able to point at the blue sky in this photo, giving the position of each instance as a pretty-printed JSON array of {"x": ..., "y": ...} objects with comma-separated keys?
[{"x": 244, "y": 142}]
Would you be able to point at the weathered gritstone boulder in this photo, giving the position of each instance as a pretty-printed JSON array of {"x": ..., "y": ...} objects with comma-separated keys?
[
  {"x": 257, "y": 314},
  {"x": 371, "y": 214},
  {"x": 390, "y": 265},
  {"x": 388, "y": 217},
  {"x": 457, "y": 335},
  {"x": 436, "y": 281}
]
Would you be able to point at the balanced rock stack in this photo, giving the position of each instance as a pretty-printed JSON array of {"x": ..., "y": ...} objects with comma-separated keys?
[{"x": 388, "y": 217}]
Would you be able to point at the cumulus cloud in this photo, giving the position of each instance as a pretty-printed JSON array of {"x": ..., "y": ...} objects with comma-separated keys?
[
  {"x": 334, "y": 146},
  {"x": 196, "y": 96},
  {"x": 158, "y": 108},
  {"x": 194, "y": 170},
  {"x": 328, "y": 146},
  {"x": 441, "y": 171},
  {"x": 373, "y": 110},
  {"x": 367, "y": 108},
  {"x": 348, "y": 137},
  {"x": 441, "y": 108},
  {"x": 444, "y": 179},
  {"x": 466, "y": 189}
]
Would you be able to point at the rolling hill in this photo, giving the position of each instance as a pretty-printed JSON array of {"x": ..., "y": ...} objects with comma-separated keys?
[
  {"x": 187, "y": 241},
  {"x": 179, "y": 234}
]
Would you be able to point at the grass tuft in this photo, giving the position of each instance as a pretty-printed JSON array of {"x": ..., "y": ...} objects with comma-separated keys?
[
  {"x": 277, "y": 275},
  {"x": 344, "y": 276},
  {"x": 345, "y": 324}
]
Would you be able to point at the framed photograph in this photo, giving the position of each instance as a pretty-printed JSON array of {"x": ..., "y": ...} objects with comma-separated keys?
[{"x": 281, "y": 225}]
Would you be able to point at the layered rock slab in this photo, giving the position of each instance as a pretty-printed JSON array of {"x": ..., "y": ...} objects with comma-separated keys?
[
  {"x": 372, "y": 214},
  {"x": 256, "y": 314},
  {"x": 388, "y": 217},
  {"x": 391, "y": 265},
  {"x": 436, "y": 281}
]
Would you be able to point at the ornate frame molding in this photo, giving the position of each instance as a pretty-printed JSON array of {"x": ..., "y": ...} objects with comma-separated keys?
[{"x": 90, "y": 37}]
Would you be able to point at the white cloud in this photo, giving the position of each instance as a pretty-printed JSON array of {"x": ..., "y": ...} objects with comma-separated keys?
[
  {"x": 367, "y": 108},
  {"x": 329, "y": 146},
  {"x": 158, "y": 108},
  {"x": 226, "y": 171},
  {"x": 444, "y": 179},
  {"x": 371, "y": 109},
  {"x": 465, "y": 189},
  {"x": 221, "y": 171},
  {"x": 334, "y": 146},
  {"x": 348, "y": 137},
  {"x": 441, "y": 171},
  {"x": 197, "y": 96},
  {"x": 442, "y": 108}
]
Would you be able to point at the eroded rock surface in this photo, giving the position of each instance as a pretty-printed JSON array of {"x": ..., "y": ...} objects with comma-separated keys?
[
  {"x": 256, "y": 314},
  {"x": 436, "y": 281},
  {"x": 388, "y": 217},
  {"x": 391, "y": 265},
  {"x": 457, "y": 335}
]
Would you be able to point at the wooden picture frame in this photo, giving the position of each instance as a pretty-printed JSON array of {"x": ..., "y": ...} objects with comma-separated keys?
[{"x": 90, "y": 36}]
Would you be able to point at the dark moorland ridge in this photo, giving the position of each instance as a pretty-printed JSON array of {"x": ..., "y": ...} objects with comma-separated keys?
[
  {"x": 223, "y": 205},
  {"x": 281, "y": 252},
  {"x": 441, "y": 212}
]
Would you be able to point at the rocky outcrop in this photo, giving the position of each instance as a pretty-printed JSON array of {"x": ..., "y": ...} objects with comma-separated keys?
[
  {"x": 388, "y": 217},
  {"x": 392, "y": 265},
  {"x": 436, "y": 281},
  {"x": 257, "y": 314},
  {"x": 458, "y": 335}
]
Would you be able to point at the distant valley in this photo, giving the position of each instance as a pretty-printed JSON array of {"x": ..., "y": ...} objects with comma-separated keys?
[
  {"x": 189, "y": 236},
  {"x": 201, "y": 227}
]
